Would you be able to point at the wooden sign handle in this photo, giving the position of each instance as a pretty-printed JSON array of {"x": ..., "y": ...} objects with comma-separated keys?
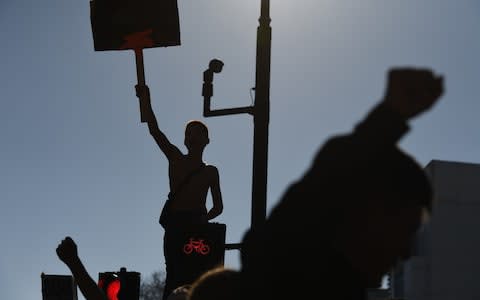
[{"x": 140, "y": 80}]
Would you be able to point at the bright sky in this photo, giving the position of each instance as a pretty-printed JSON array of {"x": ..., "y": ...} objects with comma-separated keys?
[{"x": 75, "y": 159}]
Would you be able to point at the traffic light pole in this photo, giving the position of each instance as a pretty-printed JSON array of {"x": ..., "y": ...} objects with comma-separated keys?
[
  {"x": 260, "y": 111},
  {"x": 261, "y": 116}
]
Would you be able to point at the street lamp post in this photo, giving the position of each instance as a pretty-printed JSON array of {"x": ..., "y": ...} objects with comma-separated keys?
[{"x": 260, "y": 111}]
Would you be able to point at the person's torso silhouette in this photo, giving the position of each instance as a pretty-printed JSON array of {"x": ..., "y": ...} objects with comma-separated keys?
[{"x": 192, "y": 195}]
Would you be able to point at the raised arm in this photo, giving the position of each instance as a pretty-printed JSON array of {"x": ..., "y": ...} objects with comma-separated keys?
[
  {"x": 67, "y": 252},
  {"x": 409, "y": 92},
  {"x": 170, "y": 150},
  {"x": 217, "y": 207}
]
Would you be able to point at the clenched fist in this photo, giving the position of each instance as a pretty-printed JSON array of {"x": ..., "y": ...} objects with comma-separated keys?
[
  {"x": 411, "y": 91},
  {"x": 67, "y": 251}
]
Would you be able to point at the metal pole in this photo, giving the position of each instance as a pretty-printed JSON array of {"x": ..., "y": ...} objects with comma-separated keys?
[
  {"x": 260, "y": 111},
  {"x": 261, "y": 116}
]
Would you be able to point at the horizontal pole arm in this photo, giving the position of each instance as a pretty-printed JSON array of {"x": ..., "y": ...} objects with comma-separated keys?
[{"x": 207, "y": 112}]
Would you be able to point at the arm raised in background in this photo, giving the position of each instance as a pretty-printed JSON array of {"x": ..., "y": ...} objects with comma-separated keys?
[
  {"x": 348, "y": 157},
  {"x": 409, "y": 92},
  {"x": 67, "y": 252},
  {"x": 170, "y": 150},
  {"x": 217, "y": 207}
]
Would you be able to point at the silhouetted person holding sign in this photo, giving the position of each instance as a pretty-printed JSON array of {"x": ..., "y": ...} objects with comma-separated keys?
[
  {"x": 190, "y": 180},
  {"x": 353, "y": 214}
]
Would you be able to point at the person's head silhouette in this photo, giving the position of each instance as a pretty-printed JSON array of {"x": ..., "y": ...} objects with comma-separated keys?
[
  {"x": 196, "y": 135},
  {"x": 219, "y": 283}
]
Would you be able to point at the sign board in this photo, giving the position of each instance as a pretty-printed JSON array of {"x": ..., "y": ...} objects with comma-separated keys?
[
  {"x": 130, "y": 24},
  {"x": 58, "y": 287}
]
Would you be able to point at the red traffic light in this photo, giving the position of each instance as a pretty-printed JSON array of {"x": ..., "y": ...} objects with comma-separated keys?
[
  {"x": 121, "y": 285},
  {"x": 110, "y": 284}
]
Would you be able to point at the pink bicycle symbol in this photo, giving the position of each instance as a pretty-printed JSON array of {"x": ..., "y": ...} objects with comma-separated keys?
[{"x": 198, "y": 245}]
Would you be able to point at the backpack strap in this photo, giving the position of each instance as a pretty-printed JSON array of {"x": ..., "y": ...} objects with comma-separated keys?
[{"x": 187, "y": 178}]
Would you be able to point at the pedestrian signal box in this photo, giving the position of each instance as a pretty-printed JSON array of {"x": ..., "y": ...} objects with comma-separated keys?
[{"x": 197, "y": 250}]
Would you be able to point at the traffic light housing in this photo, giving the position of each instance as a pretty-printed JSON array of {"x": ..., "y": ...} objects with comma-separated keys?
[
  {"x": 114, "y": 21},
  {"x": 58, "y": 287},
  {"x": 121, "y": 285},
  {"x": 204, "y": 246},
  {"x": 197, "y": 249}
]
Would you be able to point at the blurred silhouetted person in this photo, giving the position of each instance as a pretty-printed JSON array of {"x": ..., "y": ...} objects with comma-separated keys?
[
  {"x": 180, "y": 293},
  {"x": 219, "y": 283},
  {"x": 190, "y": 180},
  {"x": 353, "y": 214},
  {"x": 68, "y": 253}
]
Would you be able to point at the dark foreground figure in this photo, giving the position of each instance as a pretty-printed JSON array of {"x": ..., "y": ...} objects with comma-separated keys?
[{"x": 353, "y": 214}]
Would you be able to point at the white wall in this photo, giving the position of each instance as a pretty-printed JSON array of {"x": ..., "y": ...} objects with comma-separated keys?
[{"x": 446, "y": 265}]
